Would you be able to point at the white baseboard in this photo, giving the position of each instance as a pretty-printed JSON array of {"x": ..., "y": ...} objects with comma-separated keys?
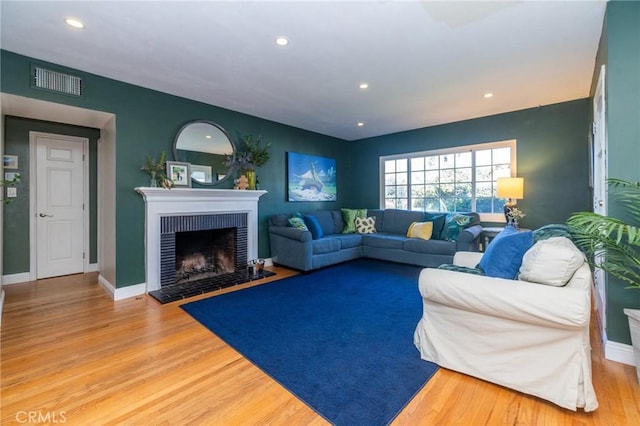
[
  {"x": 123, "y": 292},
  {"x": 619, "y": 352},
  {"x": 106, "y": 286},
  {"x": 22, "y": 277},
  {"x": 130, "y": 291},
  {"x": 1, "y": 302}
]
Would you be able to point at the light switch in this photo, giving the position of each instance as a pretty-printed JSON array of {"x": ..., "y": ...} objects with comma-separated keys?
[{"x": 12, "y": 192}]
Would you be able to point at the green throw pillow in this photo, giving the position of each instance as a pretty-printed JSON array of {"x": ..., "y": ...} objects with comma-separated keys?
[
  {"x": 438, "y": 224},
  {"x": 454, "y": 223},
  {"x": 349, "y": 217},
  {"x": 298, "y": 223}
]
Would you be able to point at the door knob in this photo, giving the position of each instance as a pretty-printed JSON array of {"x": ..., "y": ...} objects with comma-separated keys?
[{"x": 45, "y": 215}]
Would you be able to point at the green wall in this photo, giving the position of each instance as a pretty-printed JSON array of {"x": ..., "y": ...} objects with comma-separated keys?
[
  {"x": 16, "y": 214},
  {"x": 620, "y": 51},
  {"x": 146, "y": 124},
  {"x": 552, "y": 147}
]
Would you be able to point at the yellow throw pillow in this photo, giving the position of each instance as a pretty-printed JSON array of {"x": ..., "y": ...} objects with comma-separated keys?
[{"x": 420, "y": 230}]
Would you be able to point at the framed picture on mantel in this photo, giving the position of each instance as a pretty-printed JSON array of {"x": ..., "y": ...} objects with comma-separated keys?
[{"x": 179, "y": 173}]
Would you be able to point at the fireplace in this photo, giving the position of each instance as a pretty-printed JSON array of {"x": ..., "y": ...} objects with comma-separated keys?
[
  {"x": 204, "y": 254},
  {"x": 168, "y": 213},
  {"x": 195, "y": 247}
]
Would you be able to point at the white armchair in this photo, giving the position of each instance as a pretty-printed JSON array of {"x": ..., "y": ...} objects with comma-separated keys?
[{"x": 530, "y": 337}]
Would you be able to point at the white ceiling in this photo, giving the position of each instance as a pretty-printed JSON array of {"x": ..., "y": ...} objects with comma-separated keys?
[{"x": 426, "y": 62}]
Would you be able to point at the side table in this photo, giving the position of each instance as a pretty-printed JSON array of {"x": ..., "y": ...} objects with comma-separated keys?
[{"x": 490, "y": 233}]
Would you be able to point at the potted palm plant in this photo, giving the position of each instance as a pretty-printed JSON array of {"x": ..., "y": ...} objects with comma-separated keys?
[
  {"x": 614, "y": 246},
  {"x": 251, "y": 153}
]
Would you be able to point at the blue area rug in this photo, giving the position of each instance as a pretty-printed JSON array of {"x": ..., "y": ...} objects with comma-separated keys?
[{"x": 340, "y": 339}]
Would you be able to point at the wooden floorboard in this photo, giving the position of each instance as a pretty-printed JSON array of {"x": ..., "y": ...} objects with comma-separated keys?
[{"x": 71, "y": 355}]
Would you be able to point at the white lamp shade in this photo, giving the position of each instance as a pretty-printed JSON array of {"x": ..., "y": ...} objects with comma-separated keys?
[{"x": 511, "y": 187}]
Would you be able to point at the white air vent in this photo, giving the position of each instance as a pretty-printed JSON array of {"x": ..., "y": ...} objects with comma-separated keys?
[{"x": 57, "y": 82}]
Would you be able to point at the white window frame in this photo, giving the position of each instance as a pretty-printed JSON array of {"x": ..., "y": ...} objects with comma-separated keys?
[{"x": 484, "y": 217}]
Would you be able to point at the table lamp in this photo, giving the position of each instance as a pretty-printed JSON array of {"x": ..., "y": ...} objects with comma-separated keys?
[{"x": 511, "y": 188}]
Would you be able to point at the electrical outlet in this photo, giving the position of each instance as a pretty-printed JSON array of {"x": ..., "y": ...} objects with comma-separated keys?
[{"x": 12, "y": 192}]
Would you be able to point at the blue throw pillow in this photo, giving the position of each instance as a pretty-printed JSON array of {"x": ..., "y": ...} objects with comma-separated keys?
[
  {"x": 504, "y": 255},
  {"x": 314, "y": 226}
]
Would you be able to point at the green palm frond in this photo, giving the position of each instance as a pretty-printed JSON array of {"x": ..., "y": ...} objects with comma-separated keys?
[{"x": 610, "y": 243}]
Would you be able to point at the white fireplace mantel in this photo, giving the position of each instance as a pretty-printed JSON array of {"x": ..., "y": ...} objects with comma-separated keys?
[{"x": 161, "y": 202}]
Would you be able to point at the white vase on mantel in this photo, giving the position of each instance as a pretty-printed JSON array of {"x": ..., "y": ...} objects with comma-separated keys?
[{"x": 634, "y": 327}]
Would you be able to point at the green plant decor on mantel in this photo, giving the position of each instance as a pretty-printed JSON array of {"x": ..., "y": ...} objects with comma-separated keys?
[
  {"x": 250, "y": 154},
  {"x": 614, "y": 246},
  {"x": 157, "y": 171}
]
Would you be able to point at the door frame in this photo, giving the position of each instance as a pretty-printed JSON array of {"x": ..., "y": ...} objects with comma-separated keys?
[
  {"x": 33, "y": 237},
  {"x": 599, "y": 179}
]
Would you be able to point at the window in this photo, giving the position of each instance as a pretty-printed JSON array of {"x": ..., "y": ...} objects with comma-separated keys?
[{"x": 458, "y": 179}]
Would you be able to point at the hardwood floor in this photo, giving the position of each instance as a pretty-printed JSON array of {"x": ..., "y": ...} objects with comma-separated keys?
[{"x": 71, "y": 355}]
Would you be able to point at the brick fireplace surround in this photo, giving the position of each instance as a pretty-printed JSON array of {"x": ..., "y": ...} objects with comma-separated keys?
[{"x": 161, "y": 203}]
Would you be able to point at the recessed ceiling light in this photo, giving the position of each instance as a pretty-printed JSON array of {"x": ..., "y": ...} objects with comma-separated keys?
[
  {"x": 360, "y": 124},
  {"x": 364, "y": 85},
  {"x": 208, "y": 136},
  {"x": 75, "y": 23},
  {"x": 282, "y": 41},
  {"x": 488, "y": 95}
]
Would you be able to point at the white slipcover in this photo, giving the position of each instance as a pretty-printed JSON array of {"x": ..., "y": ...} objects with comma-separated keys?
[{"x": 529, "y": 337}]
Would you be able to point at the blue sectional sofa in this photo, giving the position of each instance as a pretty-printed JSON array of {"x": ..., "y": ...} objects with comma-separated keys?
[{"x": 296, "y": 248}]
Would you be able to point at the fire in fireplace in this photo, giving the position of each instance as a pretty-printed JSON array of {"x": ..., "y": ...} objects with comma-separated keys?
[{"x": 204, "y": 254}]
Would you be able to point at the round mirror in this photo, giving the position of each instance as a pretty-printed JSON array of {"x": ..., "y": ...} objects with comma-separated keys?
[{"x": 206, "y": 146}]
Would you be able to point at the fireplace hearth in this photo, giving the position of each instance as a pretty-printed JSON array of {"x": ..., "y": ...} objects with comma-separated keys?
[
  {"x": 179, "y": 291},
  {"x": 184, "y": 210}
]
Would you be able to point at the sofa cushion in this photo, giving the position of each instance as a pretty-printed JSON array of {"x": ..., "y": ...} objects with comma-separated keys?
[
  {"x": 454, "y": 223},
  {"x": 398, "y": 221},
  {"x": 338, "y": 221},
  {"x": 348, "y": 240},
  {"x": 313, "y": 224},
  {"x": 349, "y": 217},
  {"x": 298, "y": 222},
  {"x": 378, "y": 214},
  {"x": 325, "y": 220},
  {"x": 388, "y": 241},
  {"x": 281, "y": 219},
  {"x": 325, "y": 245},
  {"x": 366, "y": 225},
  {"x": 421, "y": 230},
  {"x": 504, "y": 255},
  {"x": 438, "y": 247},
  {"x": 552, "y": 261}
]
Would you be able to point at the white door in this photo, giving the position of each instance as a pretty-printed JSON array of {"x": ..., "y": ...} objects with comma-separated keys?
[
  {"x": 600, "y": 185},
  {"x": 59, "y": 208}
]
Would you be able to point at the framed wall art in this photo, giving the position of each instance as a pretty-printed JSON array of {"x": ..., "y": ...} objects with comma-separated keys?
[
  {"x": 200, "y": 173},
  {"x": 311, "y": 178},
  {"x": 179, "y": 173},
  {"x": 10, "y": 161}
]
